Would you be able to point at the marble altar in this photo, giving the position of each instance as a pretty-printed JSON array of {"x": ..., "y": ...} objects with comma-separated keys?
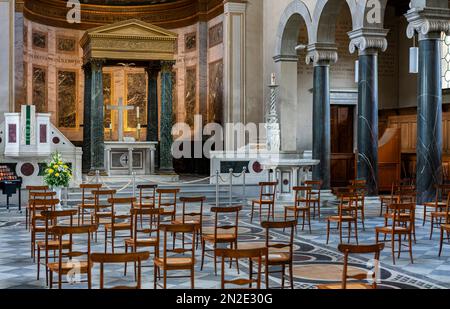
[{"x": 124, "y": 158}]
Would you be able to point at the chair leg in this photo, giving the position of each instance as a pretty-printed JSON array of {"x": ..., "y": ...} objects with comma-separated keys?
[
  {"x": 203, "y": 254},
  {"x": 165, "y": 279},
  {"x": 253, "y": 209},
  {"x": 125, "y": 267},
  {"x": 155, "y": 270},
  {"x": 432, "y": 227},
  {"x": 283, "y": 270},
  {"x": 399, "y": 246},
  {"x": 356, "y": 232},
  {"x": 237, "y": 260},
  {"x": 309, "y": 221},
  {"x": 192, "y": 278},
  {"x": 341, "y": 226},
  {"x": 328, "y": 231},
  {"x": 424, "y": 215},
  {"x": 441, "y": 242},
  {"x": 106, "y": 240},
  {"x": 215, "y": 260},
  {"x": 393, "y": 248},
  {"x": 38, "y": 262},
  {"x": 291, "y": 274},
  {"x": 410, "y": 248},
  {"x": 266, "y": 270}
]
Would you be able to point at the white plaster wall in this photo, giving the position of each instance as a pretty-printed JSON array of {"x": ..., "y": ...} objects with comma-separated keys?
[{"x": 5, "y": 63}]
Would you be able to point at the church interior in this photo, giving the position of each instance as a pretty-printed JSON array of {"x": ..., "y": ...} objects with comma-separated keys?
[{"x": 215, "y": 144}]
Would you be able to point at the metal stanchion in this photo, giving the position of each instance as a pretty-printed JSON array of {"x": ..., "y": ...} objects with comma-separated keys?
[
  {"x": 134, "y": 183},
  {"x": 231, "y": 186},
  {"x": 217, "y": 188},
  {"x": 244, "y": 198}
]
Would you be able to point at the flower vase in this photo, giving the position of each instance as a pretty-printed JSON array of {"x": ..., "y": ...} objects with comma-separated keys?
[{"x": 58, "y": 191}]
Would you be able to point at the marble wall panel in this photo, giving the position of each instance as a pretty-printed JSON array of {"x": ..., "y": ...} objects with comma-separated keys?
[
  {"x": 67, "y": 99},
  {"x": 137, "y": 97},
  {"x": 215, "y": 98},
  {"x": 190, "y": 95},
  {"x": 39, "y": 96}
]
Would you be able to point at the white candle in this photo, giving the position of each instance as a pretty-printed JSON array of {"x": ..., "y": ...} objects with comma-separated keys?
[
  {"x": 272, "y": 79},
  {"x": 110, "y": 126},
  {"x": 139, "y": 126},
  {"x": 137, "y": 112}
]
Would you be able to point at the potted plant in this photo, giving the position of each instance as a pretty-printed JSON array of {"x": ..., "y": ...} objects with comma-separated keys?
[{"x": 57, "y": 174}]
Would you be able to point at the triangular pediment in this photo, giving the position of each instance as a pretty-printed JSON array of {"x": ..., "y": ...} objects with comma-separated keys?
[{"x": 132, "y": 27}]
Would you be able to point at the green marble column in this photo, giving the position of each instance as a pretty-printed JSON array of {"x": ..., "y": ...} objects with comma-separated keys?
[
  {"x": 165, "y": 153},
  {"x": 96, "y": 125},
  {"x": 152, "y": 101},
  {"x": 86, "y": 164}
]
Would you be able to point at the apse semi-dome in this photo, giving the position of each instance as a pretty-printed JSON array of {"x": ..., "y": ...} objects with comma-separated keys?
[{"x": 169, "y": 14}]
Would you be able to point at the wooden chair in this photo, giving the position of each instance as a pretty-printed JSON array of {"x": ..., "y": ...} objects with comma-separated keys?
[
  {"x": 445, "y": 228},
  {"x": 267, "y": 193},
  {"x": 118, "y": 222},
  {"x": 143, "y": 234},
  {"x": 223, "y": 233},
  {"x": 147, "y": 196},
  {"x": 31, "y": 190},
  {"x": 316, "y": 186},
  {"x": 42, "y": 201},
  {"x": 192, "y": 217},
  {"x": 387, "y": 200},
  {"x": 347, "y": 213},
  {"x": 114, "y": 258},
  {"x": 50, "y": 242},
  {"x": 87, "y": 202},
  {"x": 439, "y": 203},
  {"x": 403, "y": 216},
  {"x": 360, "y": 203},
  {"x": 168, "y": 263},
  {"x": 167, "y": 201},
  {"x": 279, "y": 254},
  {"x": 439, "y": 217},
  {"x": 70, "y": 265},
  {"x": 357, "y": 249},
  {"x": 103, "y": 209},
  {"x": 302, "y": 204},
  {"x": 257, "y": 254}
]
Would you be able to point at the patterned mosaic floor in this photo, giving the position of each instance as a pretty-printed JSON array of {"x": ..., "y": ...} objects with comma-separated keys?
[{"x": 315, "y": 262}]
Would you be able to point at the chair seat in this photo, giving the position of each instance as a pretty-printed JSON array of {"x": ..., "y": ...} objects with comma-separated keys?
[
  {"x": 293, "y": 208},
  {"x": 144, "y": 242},
  {"x": 87, "y": 206},
  {"x": 68, "y": 266},
  {"x": 53, "y": 244},
  {"x": 388, "y": 229},
  {"x": 343, "y": 218},
  {"x": 175, "y": 262},
  {"x": 350, "y": 286},
  {"x": 438, "y": 214},
  {"x": 445, "y": 227},
  {"x": 278, "y": 257},
  {"x": 147, "y": 205},
  {"x": 119, "y": 226},
  {"x": 433, "y": 204},
  {"x": 220, "y": 237},
  {"x": 180, "y": 221},
  {"x": 263, "y": 202}
]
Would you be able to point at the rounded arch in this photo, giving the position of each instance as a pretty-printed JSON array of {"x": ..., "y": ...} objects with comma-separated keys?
[
  {"x": 289, "y": 28},
  {"x": 326, "y": 13}
]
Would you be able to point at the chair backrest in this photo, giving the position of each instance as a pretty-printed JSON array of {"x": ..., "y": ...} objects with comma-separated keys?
[
  {"x": 150, "y": 216},
  {"x": 98, "y": 195},
  {"x": 198, "y": 214},
  {"x": 147, "y": 193},
  {"x": 269, "y": 225},
  {"x": 39, "y": 205},
  {"x": 447, "y": 210},
  {"x": 360, "y": 249},
  {"x": 302, "y": 194},
  {"x": 230, "y": 211},
  {"x": 267, "y": 190},
  {"x": 348, "y": 205},
  {"x": 85, "y": 188},
  {"x": 167, "y": 198},
  {"x": 403, "y": 216},
  {"x": 183, "y": 249},
  {"x": 114, "y": 258},
  {"x": 131, "y": 201},
  {"x": 251, "y": 254},
  {"x": 36, "y": 189},
  {"x": 316, "y": 186}
]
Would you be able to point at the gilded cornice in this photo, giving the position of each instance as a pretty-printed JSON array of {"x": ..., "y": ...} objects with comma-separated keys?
[{"x": 170, "y": 15}]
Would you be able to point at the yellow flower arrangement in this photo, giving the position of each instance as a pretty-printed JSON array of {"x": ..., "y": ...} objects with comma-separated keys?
[{"x": 57, "y": 173}]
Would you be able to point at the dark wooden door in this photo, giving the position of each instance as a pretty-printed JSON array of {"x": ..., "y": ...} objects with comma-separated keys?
[{"x": 342, "y": 142}]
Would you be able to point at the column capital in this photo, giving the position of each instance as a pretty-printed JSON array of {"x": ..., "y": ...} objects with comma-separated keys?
[
  {"x": 368, "y": 40},
  {"x": 321, "y": 54},
  {"x": 167, "y": 65},
  {"x": 153, "y": 68},
  {"x": 96, "y": 63},
  {"x": 235, "y": 6},
  {"x": 428, "y": 22}
]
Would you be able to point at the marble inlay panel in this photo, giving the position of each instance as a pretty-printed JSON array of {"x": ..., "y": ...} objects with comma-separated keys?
[
  {"x": 39, "y": 40},
  {"x": 190, "y": 42},
  {"x": 215, "y": 35},
  {"x": 65, "y": 44},
  {"x": 215, "y": 98},
  {"x": 190, "y": 96},
  {"x": 39, "y": 92},
  {"x": 137, "y": 97},
  {"x": 67, "y": 99},
  {"x": 107, "y": 97}
]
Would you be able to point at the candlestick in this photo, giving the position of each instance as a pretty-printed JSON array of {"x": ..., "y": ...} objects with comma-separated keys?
[
  {"x": 272, "y": 79},
  {"x": 137, "y": 112},
  {"x": 110, "y": 131},
  {"x": 138, "y": 131}
]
